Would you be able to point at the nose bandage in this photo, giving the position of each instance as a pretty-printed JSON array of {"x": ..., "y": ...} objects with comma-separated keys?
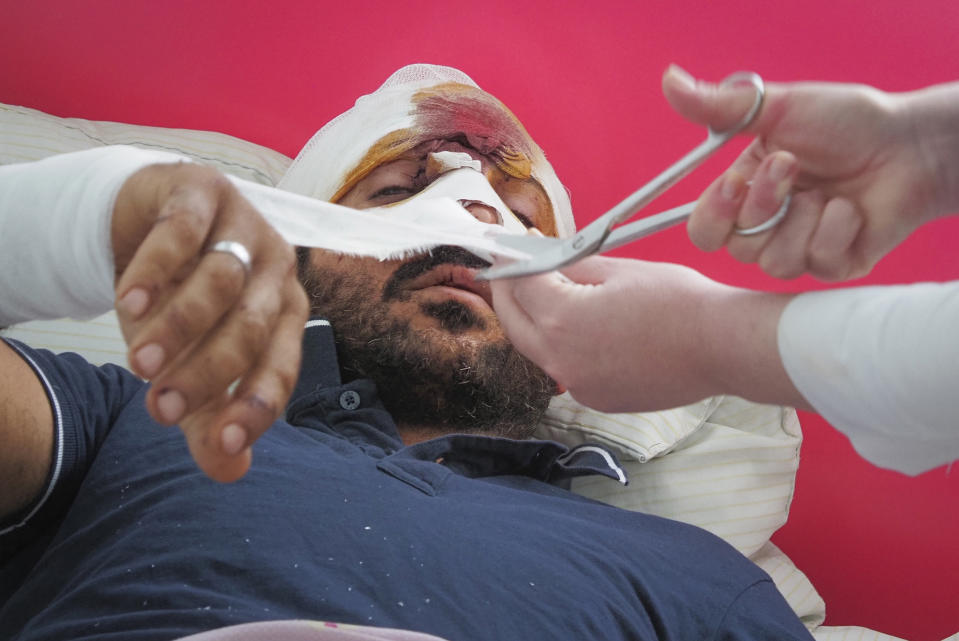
[{"x": 439, "y": 162}]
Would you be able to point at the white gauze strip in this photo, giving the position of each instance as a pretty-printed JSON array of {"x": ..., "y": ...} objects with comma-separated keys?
[
  {"x": 431, "y": 218},
  {"x": 56, "y": 260}
]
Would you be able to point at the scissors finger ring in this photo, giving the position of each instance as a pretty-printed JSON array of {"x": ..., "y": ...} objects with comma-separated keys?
[{"x": 768, "y": 224}]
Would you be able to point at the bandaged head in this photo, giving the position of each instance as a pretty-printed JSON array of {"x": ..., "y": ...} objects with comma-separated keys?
[{"x": 416, "y": 104}]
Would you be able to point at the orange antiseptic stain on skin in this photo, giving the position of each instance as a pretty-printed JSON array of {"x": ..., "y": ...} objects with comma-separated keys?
[
  {"x": 386, "y": 149},
  {"x": 540, "y": 213},
  {"x": 454, "y": 111}
]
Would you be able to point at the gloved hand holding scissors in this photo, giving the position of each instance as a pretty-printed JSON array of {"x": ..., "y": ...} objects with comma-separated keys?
[{"x": 864, "y": 169}]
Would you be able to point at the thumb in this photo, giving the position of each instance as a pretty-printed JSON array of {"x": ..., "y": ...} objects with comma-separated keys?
[
  {"x": 595, "y": 270},
  {"x": 719, "y": 107},
  {"x": 529, "y": 296}
]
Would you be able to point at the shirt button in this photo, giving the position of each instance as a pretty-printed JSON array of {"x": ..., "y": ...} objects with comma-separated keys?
[{"x": 349, "y": 400}]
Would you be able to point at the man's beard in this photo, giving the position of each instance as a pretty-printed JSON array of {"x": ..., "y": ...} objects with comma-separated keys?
[{"x": 433, "y": 378}]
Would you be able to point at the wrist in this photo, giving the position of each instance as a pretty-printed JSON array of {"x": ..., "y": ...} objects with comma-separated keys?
[
  {"x": 740, "y": 346},
  {"x": 718, "y": 325},
  {"x": 932, "y": 115}
]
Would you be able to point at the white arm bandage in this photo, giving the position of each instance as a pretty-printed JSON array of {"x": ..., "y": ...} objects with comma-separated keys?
[
  {"x": 881, "y": 364},
  {"x": 55, "y": 255}
]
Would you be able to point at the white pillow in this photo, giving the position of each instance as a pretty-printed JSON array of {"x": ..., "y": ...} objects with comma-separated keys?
[{"x": 27, "y": 134}]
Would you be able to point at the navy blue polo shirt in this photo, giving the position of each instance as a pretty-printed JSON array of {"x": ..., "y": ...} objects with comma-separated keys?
[{"x": 464, "y": 537}]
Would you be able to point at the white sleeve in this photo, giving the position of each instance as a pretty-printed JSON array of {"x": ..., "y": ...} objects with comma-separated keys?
[
  {"x": 881, "y": 364},
  {"x": 55, "y": 254}
]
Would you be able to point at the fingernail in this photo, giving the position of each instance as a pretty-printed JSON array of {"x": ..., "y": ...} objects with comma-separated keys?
[
  {"x": 781, "y": 171},
  {"x": 682, "y": 76},
  {"x": 171, "y": 405},
  {"x": 782, "y": 189},
  {"x": 134, "y": 302},
  {"x": 149, "y": 359},
  {"x": 732, "y": 186},
  {"x": 232, "y": 439},
  {"x": 780, "y": 167}
]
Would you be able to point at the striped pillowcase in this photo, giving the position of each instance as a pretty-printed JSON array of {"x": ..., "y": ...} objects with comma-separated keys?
[{"x": 27, "y": 135}]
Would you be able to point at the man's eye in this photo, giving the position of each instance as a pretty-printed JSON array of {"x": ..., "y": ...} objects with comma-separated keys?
[
  {"x": 527, "y": 223},
  {"x": 392, "y": 190}
]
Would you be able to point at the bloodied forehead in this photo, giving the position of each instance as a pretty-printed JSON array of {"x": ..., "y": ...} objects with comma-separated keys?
[{"x": 449, "y": 112}]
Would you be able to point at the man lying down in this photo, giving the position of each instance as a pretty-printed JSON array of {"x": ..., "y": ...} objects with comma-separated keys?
[{"x": 390, "y": 481}]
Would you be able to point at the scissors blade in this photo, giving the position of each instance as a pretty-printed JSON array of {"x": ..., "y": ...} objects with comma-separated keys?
[
  {"x": 646, "y": 226},
  {"x": 546, "y": 250},
  {"x": 592, "y": 238},
  {"x": 548, "y": 256}
]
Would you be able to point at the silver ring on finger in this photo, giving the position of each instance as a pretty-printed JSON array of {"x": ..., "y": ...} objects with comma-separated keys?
[
  {"x": 768, "y": 224},
  {"x": 235, "y": 249}
]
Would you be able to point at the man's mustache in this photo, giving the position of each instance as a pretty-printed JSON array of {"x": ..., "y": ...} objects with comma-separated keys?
[{"x": 442, "y": 255}]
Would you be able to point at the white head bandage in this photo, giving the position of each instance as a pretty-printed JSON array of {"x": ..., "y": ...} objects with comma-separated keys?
[{"x": 419, "y": 103}]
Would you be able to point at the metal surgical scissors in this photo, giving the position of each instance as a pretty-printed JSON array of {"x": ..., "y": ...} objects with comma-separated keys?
[{"x": 600, "y": 236}]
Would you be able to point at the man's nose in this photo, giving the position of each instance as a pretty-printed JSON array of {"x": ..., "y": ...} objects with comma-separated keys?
[{"x": 483, "y": 213}]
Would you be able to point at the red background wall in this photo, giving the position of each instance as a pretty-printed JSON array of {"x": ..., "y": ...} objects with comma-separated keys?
[{"x": 882, "y": 549}]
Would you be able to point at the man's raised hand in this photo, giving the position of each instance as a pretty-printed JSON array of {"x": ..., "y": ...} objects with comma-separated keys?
[{"x": 220, "y": 341}]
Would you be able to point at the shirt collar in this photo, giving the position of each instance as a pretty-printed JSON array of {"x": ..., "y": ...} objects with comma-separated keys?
[
  {"x": 319, "y": 368},
  {"x": 466, "y": 454},
  {"x": 478, "y": 456}
]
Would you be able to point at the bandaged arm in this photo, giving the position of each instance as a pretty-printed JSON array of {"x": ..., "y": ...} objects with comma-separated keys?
[
  {"x": 880, "y": 364},
  {"x": 55, "y": 255}
]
